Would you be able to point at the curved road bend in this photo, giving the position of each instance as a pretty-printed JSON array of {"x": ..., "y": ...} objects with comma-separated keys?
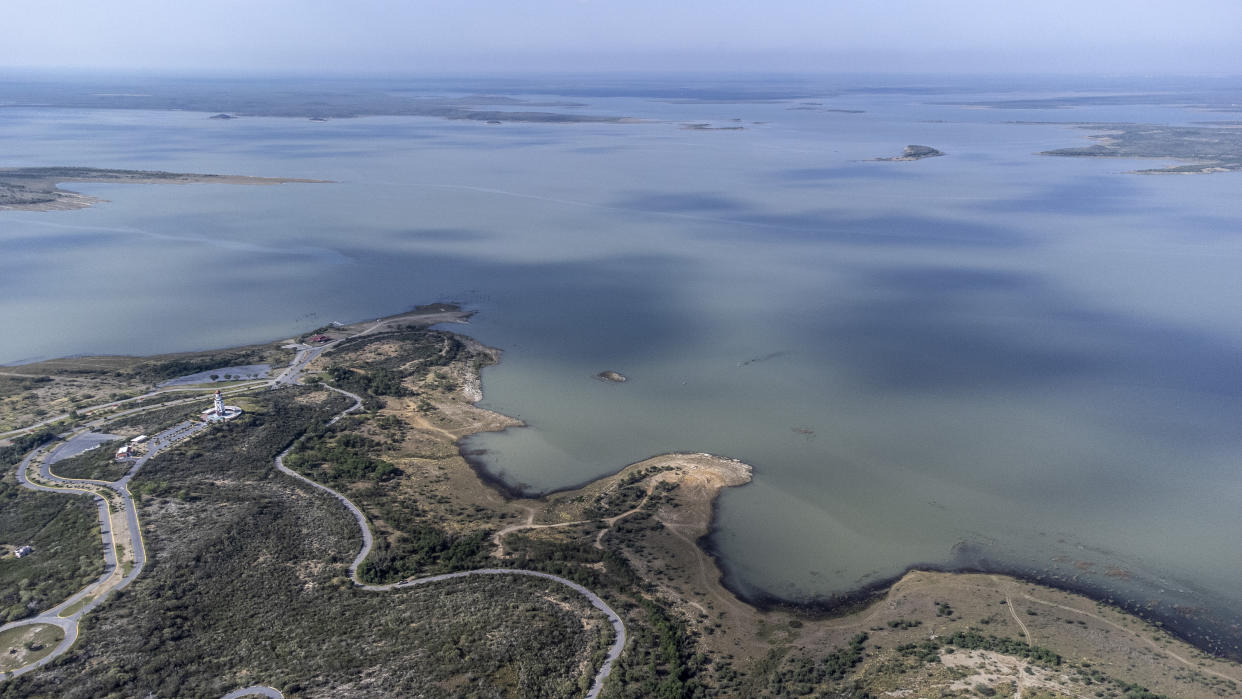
[
  {"x": 618, "y": 625},
  {"x": 256, "y": 691},
  {"x": 69, "y": 623},
  {"x": 305, "y": 354}
]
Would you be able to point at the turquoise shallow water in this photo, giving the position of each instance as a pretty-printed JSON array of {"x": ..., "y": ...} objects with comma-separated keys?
[{"x": 990, "y": 359}]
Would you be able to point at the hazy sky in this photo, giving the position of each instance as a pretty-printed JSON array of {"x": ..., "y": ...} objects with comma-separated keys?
[{"x": 1129, "y": 36}]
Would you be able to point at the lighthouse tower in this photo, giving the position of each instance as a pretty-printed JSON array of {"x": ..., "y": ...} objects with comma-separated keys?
[{"x": 219, "y": 412}]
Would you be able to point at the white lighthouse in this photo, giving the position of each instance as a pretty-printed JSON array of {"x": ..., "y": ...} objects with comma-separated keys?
[{"x": 219, "y": 412}]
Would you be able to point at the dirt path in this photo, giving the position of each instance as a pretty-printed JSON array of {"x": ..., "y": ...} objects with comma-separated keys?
[
  {"x": 1013, "y": 612},
  {"x": 705, "y": 581},
  {"x": 1160, "y": 649},
  {"x": 498, "y": 537},
  {"x": 423, "y": 423}
]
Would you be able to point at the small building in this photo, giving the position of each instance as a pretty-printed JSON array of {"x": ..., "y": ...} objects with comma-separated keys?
[
  {"x": 23, "y": 551},
  {"x": 319, "y": 338},
  {"x": 124, "y": 452},
  {"x": 139, "y": 439}
]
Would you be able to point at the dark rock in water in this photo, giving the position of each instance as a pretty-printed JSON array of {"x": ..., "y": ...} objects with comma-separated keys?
[
  {"x": 613, "y": 376},
  {"x": 318, "y": 118},
  {"x": 494, "y": 121},
  {"x": 222, "y": 116},
  {"x": 920, "y": 152},
  {"x": 914, "y": 153}
]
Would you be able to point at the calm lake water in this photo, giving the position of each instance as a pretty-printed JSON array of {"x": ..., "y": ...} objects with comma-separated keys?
[{"x": 991, "y": 359}]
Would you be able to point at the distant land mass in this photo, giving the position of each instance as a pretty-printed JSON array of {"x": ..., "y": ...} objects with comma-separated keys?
[
  {"x": 1208, "y": 149},
  {"x": 35, "y": 188},
  {"x": 1211, "y": 100},
  {"x": 231, "y": 99}
]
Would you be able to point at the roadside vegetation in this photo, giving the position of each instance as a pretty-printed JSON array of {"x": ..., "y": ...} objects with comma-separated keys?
[
  {"x": 246, "y": 583},
  {"x": 64, "y": 532},
  {"x": 11, "y": 454}
]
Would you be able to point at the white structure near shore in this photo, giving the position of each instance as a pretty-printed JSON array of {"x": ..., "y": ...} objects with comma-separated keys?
[{"x": 219, "y": 412}]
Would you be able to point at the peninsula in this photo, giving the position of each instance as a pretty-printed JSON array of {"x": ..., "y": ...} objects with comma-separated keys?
[
  {"x": 332, "y": 540},
  {"x": 1204, "y": 149},
  {"x": 35, "y": 188}
]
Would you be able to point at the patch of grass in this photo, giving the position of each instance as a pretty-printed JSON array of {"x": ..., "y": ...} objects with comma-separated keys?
[
  {"x": 27, "y": 644},
  {"x": 73, "y": 608}
]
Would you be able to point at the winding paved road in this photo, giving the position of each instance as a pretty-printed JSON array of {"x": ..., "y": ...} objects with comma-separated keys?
[
  {"x": 618, "y": 626},
  {"x": 256, "y": 691},
  {"x": 99, "y": 591}
]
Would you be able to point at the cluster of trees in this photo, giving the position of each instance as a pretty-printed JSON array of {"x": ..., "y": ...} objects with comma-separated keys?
[
  {"x": 164, "y": 369},
  {"x": 63, "y": 529},
  {"x": 421, "y": 352},
  {"x": 929, "y": 650},
  {"x": 802, "y": 675},
  {"x": 423, "y": 550},
  {"x": 660, "y": 660},
  {"x": 628, "y": 492},
  {"x": 376, "y": 381},
  {"x": 23, "y": 444},
  {"x": 339, "y": 458}
]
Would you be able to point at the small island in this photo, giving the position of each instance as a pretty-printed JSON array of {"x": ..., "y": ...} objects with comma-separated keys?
[
  {"x": 611, "y": 376},
  {"x": 35, "y": 188},
  {"x": 222, "y": 116},
  {"x": 913, "y": 152}
]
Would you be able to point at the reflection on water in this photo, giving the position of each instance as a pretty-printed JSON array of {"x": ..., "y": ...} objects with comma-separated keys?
[{"x": 989, "y": 359}]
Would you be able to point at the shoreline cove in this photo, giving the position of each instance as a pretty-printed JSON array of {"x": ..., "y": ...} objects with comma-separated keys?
[
  {"x": 965, "y": 560},
  {"x": 1213, "y": 639}
]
